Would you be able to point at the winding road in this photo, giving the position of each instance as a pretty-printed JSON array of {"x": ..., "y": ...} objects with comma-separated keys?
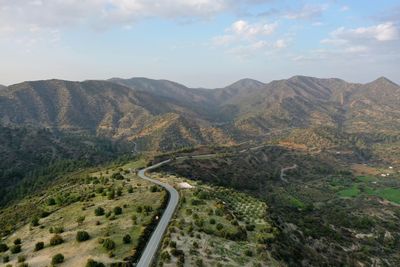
[{"x": 152, "y": 246}]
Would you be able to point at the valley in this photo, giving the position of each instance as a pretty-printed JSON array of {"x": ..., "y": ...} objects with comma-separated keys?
[{"x": 295, "y": 172}]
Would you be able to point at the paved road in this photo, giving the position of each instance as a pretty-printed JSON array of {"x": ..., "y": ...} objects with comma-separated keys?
[{"x": 152, "y": 246}]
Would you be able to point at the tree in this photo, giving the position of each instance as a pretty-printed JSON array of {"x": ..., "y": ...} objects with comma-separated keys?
[
  {"x": 58, "y": 258},
  {"x": 99, "y": 211},
  {"x": 51, "y": 201},
  {"x": 3, "y": 247},
  {"x": 17, "y": 241},
  {"x": 212, "y": 221},
  {"x": 108, "y": 244},
  {"x": 82, "y": 236},
  {"x": 117, "y": 210},
  {"x": 127, "y": 239},
  {"x": 56, "y": 240},
  {"x": 93, "y": 263},
  {"x": 39, "y": 246},
  {"x": 15, "y": 249},
  {"x": 219, "y": 227}
]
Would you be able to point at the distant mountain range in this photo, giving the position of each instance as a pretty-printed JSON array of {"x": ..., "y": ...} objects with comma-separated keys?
[{"x": 163, "y": 115}]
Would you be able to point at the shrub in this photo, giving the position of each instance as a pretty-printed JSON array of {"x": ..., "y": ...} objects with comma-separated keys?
[
  {"x": 172, "y": 244},
  {"x": 51, "y": 201},
  {"x": 39, "y": 246},
  {"x": 21, "y": 258},
  {"x": 127, "y": 239},
  {"x": 165, "y": 256},
  {"x": 35, "y": 221},
  {"x": 82, "y": 236},
  {"x": 119, "y": 192},
  {"x": 219, "y": 227},
  {"x": 17, "y": 241},
  {"x": 58, "y": 258},
  {"x": 250, "y": 227},
  {"x": 108, "y": 244},
  {"x": 117, "y": 210},
  {"x": 44, "y": 214},
  {"x": 3, "y": 247},
  {"x": 139, "y": 209},
  {"x": 111, "y": 194},
  {"x": 99, "y": 211},
  {"x": 212, "y": 221},
  {"x": 199, "y": 263},
  {"x": 56, "y": 240},
  {"x": 56, "y": 230},
  {"x": 6, "y": 259},
  {"x": 154, "y": 188},
  {"x": 80, "y": 219},
  {"x": 93, "y": 263},
  {"x": 15, "y": 249},
  {"x": 130, "y": 189},
  {"x": 248, "y": 253}
]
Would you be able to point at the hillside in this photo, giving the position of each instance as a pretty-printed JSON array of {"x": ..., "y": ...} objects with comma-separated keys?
[
  {"x": 32, "y": 158},
  {"x": 328, "y": 211},
  {"x": 162, "y": 115}
]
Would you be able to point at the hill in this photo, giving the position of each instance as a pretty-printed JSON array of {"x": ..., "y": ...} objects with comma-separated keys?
[{"x": 162, "y": 115}]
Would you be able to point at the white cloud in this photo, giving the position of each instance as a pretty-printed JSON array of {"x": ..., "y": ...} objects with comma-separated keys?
[
  {"x": 102, "y": 13},
  {"x": 306, "y": 12},
  {"x": 381, "y": 32},
  {"x": 244, "y": 29}
]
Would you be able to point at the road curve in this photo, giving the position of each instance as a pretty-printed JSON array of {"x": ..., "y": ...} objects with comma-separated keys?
[{"x": 152, "y": 246}]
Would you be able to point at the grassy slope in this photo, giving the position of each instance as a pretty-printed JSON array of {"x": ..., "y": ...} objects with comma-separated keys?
[
  {"x": 114, "y": 227},
  {"x": 198, "y": 237}
]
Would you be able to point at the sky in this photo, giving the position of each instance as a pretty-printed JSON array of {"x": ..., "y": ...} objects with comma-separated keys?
[{"x": 200, "y": 43}]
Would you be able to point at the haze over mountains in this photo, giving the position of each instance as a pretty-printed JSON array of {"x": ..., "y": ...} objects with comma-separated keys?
[{"x": 164, "y": 115}]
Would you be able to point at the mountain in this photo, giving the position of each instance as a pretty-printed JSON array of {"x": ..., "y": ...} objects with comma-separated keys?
[
  {"x": 164, "y": 115},
  {"x": 2, "y": 87},
  {"x": 111, "y": 110}
]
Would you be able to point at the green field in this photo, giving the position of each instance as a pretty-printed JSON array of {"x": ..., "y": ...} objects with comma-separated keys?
[{"x": 350, "y": 192}]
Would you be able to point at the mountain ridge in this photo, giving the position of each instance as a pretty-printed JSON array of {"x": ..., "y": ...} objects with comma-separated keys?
[{"x": 157, "y": 112}]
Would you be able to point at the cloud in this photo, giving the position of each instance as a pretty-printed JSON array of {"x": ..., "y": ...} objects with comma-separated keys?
[
  {"x": 246, "y": 39},
  {"x": 100, "y": 13},
  {"x": 374, "y": 42},
  {"x": 244, "y": 29},
  {"x": 307, "y": 12},
  {"x": 381, "y": 32}
]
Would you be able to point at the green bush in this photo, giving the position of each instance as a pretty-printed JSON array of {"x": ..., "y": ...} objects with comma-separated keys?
[
  {"x": 93, "y": 263},
  {"x": 82, "y": 236},
  {"x": 3, "y": 247},
  {"x": 99, "y": 211},
  {"x": 219, "y": 227},
  {"x": 56, "y": 240},
  {"x": 58, "y": 258},
  {"x": 6, "y": 259},
  {"x": 248, "y": 253},
  {"x": 51, "y": 201},
  {"x": 117, "y": 210},
  {"x": 108, "y": 244},
  {"x": 212, "y": 221},
  {"x": 15, "y": 249},
  {"x": 17, "y": 241},
  {"x": 39, "y": 246},
  {"x": 35, "y": 221},
  {"x": 127, "y": 239}
]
